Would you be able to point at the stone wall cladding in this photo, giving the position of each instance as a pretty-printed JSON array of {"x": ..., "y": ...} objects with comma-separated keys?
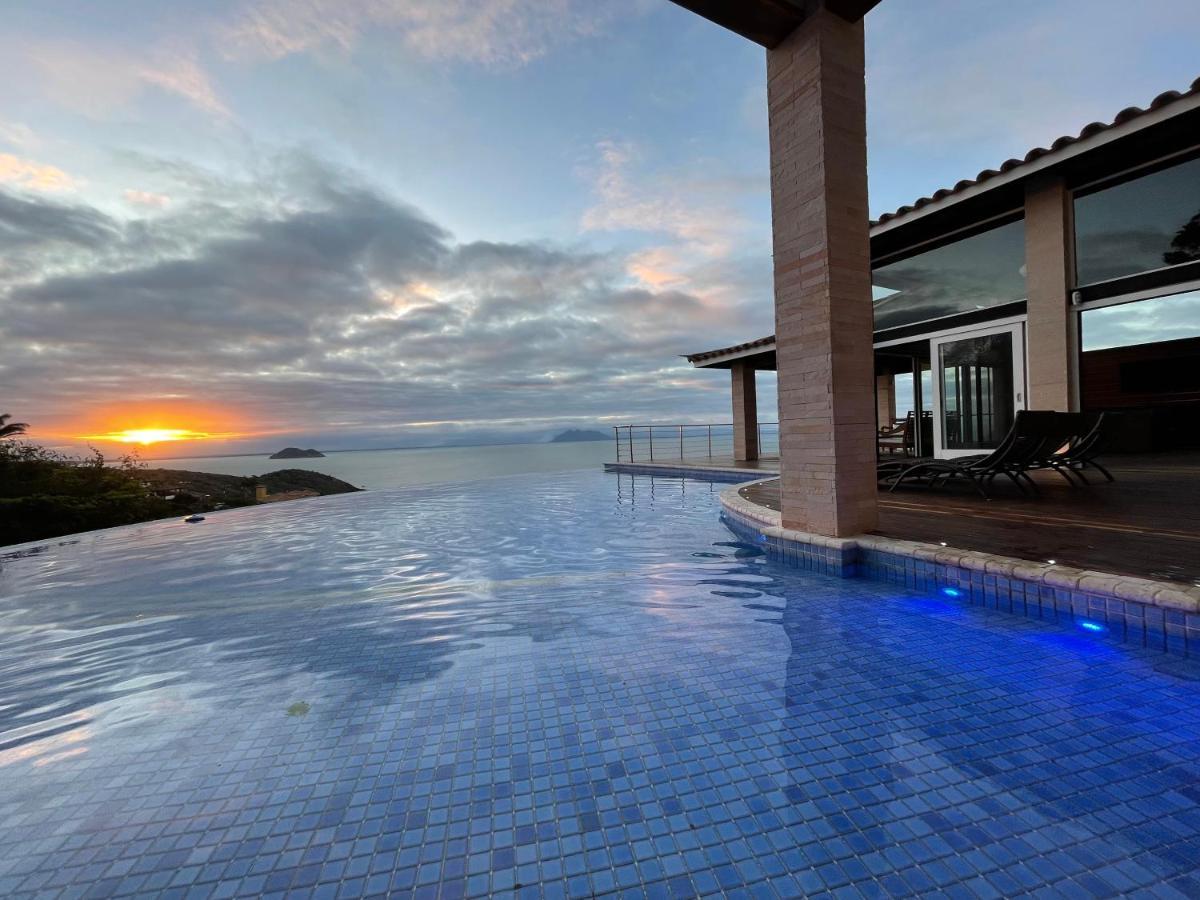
[{"x": 1151, "y": 614}]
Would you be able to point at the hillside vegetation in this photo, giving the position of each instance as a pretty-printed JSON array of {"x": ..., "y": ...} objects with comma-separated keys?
[{"x": 44, "y": 494}]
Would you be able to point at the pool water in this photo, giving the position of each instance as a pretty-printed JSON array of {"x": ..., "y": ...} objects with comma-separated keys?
[{"x": 565, "y": 685}]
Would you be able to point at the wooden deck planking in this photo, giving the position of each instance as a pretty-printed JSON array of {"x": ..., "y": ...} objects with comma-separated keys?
[{"x": 1146, "y": 524}]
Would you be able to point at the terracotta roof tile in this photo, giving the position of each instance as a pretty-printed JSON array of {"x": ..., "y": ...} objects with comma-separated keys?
[{"x": 749, "y": 345}]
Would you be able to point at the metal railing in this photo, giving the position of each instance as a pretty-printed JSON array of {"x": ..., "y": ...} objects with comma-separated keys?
[{"x": 651, "y": 443}]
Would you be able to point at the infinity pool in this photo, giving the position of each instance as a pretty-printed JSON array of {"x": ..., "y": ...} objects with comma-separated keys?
[{"x": 570, "y": 685}]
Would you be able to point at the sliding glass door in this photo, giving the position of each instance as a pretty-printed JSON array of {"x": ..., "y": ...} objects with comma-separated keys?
[{"x": 979, "y": 384}]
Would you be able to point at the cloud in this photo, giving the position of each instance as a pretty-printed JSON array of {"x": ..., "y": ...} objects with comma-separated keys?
[
  {"x": 183, "y": 76},
  {"x": 487, "y": 32},
  {"x": 671, "y": 206},
  {"x": 95, "y": 80},
  {"x": 32, "y": 175},
  {"x": 315, "y": 305},
  {"x": 18, "y": 135},
  {"x": 150, "y": 199},
  {"x": 711, "y": 242}
]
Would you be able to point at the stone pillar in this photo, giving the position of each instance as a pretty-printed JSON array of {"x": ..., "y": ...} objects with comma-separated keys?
[
  {"x": 885, "y": 400},
  {"x": 1051, "y": 328},
  {"x": 823, "y": 316},
  {"x": 745, "y": 412}
]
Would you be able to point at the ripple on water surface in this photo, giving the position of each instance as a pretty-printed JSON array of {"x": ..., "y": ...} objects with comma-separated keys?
[{"x": 579, "y": 682}]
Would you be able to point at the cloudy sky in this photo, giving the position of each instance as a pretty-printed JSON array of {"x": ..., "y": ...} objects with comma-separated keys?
[{"x": 351, "y": 223}]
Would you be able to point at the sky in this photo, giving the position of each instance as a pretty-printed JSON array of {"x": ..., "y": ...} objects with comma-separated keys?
[{"x": 380, "y": 223}]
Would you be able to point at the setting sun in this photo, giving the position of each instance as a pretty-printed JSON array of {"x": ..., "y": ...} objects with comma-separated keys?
[{"x": 146, "y": 436}]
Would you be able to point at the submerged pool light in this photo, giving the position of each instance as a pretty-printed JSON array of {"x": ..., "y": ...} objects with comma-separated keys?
[
  {"x": 1089, "y": 625},
  {"x": 951, "y": 592}
]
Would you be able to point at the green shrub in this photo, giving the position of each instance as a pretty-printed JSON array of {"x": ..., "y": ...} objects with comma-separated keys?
[{"x": 44, "y": 494}]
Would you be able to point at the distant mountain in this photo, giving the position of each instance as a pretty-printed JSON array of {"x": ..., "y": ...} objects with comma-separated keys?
[
  {"x": 575, "y": 435},
  {"x": 296, "y": 453}
]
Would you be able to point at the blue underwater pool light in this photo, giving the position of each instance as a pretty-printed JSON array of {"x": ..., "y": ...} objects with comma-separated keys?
[
  {"x": 1089, "y": 625},
  {"x": 951, "y": 592}
]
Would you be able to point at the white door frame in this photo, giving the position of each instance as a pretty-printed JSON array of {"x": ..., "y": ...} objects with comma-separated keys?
[{"x": 1017, "y": 330}]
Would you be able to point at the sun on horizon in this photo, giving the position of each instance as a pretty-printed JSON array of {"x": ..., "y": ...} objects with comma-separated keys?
[{"x": 147, "y": 436}]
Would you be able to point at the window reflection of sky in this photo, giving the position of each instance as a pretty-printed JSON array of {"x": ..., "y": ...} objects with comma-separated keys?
[
  {"x": 978, "y": 272},
  {"x": 1143, "y": 224},
  {"x": 1144, "y": 322}
]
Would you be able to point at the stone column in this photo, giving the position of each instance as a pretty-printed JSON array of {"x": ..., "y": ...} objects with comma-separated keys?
[
  {"x": 823, "y": 315},
  {"x": 745, "y": 412},
  {"x": 1051, "y": 328},
  {"x": 885, "y": 400}
]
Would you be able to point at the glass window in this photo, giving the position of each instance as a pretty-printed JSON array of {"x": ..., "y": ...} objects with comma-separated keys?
[
  {"x": 906, "y": 400},
  {"x": 977, "y": 391},
  {"x": 975, "y": 273},
  {"x": 1170, "y": 318},
  {"x": 1139, "y": 225}
]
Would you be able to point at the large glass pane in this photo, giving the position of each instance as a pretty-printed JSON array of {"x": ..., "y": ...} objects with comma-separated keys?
[
  {"x": 1143, "y": 359},
  {"x": 977, "y": 391},
  {"x": 915, "y": 405},
  {"x": 975, "y": 273},
  {"x": 1170, "y": 318},
  {"x": 906, "y": 395},
  {"x": 1143, "y": 224}
]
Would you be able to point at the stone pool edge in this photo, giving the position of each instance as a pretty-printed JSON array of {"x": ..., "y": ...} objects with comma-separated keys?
[
  {"x": 724, "y": 475},
  {"x": 1149, "y": 613}
]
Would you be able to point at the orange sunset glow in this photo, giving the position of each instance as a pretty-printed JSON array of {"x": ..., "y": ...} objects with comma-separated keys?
[
  {"x": 147, "y": 436},
  {"x": 146, "y": 423}
]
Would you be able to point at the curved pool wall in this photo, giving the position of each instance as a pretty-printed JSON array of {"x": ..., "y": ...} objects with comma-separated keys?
[
  {"x": 1158, "y": 616},
  {"x": 560, "y": 686}
]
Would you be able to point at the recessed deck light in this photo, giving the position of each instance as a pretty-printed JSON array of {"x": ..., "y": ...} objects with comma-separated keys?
[{"x": 1052, "y": 561}]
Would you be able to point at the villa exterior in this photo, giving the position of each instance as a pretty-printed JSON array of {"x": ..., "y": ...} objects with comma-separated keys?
[
  {"x": 1067, "y": 280},
  {"x": 1032, "y": 285}
]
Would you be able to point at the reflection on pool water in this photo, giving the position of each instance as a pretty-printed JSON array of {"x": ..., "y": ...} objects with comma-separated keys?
[{"x": 565, "y": 685}]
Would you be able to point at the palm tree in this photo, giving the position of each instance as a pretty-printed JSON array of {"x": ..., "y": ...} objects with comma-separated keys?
[{"x": 11, "y": 429}]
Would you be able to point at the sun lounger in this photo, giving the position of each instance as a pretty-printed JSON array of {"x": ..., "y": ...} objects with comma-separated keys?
[{"x": 1038, "y": 439}]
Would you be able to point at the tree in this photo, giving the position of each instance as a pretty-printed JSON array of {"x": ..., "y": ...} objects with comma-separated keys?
[
  {"x": 1185, "y": 246},
  {"x": 11, "y": 429}
]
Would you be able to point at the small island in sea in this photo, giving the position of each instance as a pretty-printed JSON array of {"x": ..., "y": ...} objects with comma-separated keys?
[
  {"x": 297, "y": 453},
  {"x": 576, "y": 434}
]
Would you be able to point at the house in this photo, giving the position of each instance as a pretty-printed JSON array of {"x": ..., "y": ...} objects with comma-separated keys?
[
  {"x": 1031, "y": 285},
  {"x": 1069, "y": 280}
]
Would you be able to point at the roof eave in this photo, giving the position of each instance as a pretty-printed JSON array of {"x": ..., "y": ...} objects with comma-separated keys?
[
  {"x": 715, "y": 359},
  {"x": 768, "y": 22}
]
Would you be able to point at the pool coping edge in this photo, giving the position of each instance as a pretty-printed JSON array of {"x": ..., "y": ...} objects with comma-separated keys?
[{"x": 1152, "y": 612}]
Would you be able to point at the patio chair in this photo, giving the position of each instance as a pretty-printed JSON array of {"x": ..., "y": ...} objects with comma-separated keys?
[
  {"x": 897, "y": 436},
  {"x": 1031, "y": 435},
  {"x": 1083, "y": 451}
]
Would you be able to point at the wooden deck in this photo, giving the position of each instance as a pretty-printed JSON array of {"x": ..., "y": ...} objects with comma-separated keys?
[{"x": 1146, "y": 524}]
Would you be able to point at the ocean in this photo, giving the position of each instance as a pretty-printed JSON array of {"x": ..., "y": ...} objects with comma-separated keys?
[{"x": 374, "y": 469}]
